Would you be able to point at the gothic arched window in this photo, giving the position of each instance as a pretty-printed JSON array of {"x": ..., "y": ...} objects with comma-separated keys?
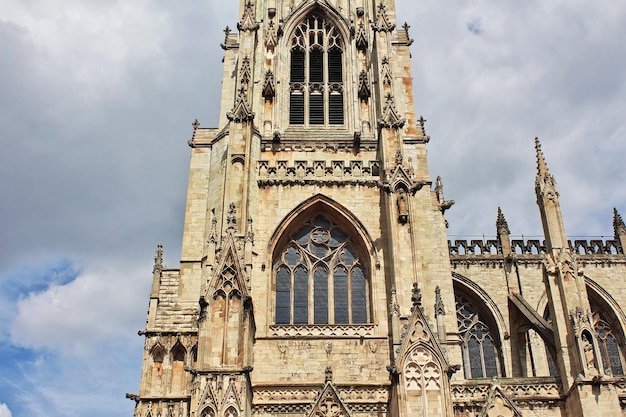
[
  {"x": 608, "y": 334},
  {"x": 316, "y": 74},
  {"x": 609, "y": 348},
  {"x": 481, "y": 354},
  {"x": 321, "y": 277}
]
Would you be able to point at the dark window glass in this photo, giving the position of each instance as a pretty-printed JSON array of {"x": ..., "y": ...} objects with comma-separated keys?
[
  {"x": 296, "y": 109},
  {"x": 316, "y": 109},
  {"x": 489, "y": 352},
  {"x": 301, "y": 296},
  {"x": 283, "y": 295},
  {"x": 320, "y": 285},
  {"x": 334, "y": 66},
  {"x": 316, "y": 66},
  {"x": 359, "y": 302},
  {"x": 335, "y": 109},
  {"x": 476, "y": 366},
  {"x": 613, "y": 351},
  {"x": 342, "y": 315},
  {"x": 297, "y": 66}
]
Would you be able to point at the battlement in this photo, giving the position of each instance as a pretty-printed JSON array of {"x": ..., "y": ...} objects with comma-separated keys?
[{"x": 533, "y": 247}]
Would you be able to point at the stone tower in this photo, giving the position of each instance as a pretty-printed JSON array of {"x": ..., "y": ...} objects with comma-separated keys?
[{"x": 316, "y": 276}]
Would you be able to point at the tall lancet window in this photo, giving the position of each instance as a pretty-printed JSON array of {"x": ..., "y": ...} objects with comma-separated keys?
[{"x": 316, "y": 77}]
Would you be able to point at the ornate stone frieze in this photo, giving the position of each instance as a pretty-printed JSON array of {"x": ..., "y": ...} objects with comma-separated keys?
[
  {"x": 322, "y": 330},
  {"x": 542, "y": 389},
  {"x": 321, "y": 170}
]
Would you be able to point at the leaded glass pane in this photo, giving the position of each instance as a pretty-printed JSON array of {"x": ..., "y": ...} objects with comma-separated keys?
[
  {"x": 301, "y": 296},
  {"x": 489, "y": 352},
  {"x": 292, "y": 257},
  {"x": 341, "y": 296},
  {"x": 359, "y": 300},
  {"x": 476, "y": 366},
  {"x": 320, "y": 289},
  {"x": 613, "y": 350},
  {"x": 283, "y": 295}
]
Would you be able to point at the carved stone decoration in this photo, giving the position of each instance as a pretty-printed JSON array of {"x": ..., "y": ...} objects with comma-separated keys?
[
  {"x": 245, "y": 74},
  {"x": 391, "y": 118},
  {"x": 361, "y": 38},
  {"x": 248, "y": 20},
  {"x": 416, "y": 298},
  {"x": 443, "y": 203},
  {"x": 422, "y": 371},
  {"x": 271, "y": 36},
  {"x": 269, "y": 86},
  {"x": 498, "y": 404},
  {"x": 231, "y": 219},
  {"x": 394, "y": 306},
  {"x": 386, "y": 76},
  {"x": 365, "y": 91},
  {"x": 382, "y": 23},
  {"x": 241, "y": 112},
  {"x": 403, "y": 206},
  {"x": 440, "y": 309},
  {"x": 328, "y": 403}
]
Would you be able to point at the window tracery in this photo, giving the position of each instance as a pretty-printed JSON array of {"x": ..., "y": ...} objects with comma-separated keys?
[
  {"x": 320, "y": 277},
  {"x": 481, "y": 353},
  {"x": 609, "y": 348},
  {"x": 316, "y": 74}
]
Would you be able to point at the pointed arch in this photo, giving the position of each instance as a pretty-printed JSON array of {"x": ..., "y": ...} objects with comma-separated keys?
[
  {"x": 321, "y": 263},
  {"x": 478, "y": 319},
  {"x": 318, "y": 41},
  {"x": 607, "y": 323},
  {"x": 178, "y": 356},
  {"x": 157, "y": 356}
]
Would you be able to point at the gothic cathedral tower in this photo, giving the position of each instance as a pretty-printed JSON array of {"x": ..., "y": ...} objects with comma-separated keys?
[{"x": 316, "y": 276}]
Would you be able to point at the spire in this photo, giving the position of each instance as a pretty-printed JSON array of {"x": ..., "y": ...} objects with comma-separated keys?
[
  {"x": 618, "y": 224},
  {"x": 501, "y": 225}
]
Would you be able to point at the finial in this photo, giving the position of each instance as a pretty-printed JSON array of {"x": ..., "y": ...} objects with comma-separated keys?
[
  {"x": 618, "y": 224},
  {"x": 542, "y": 167},
  {"x": 501, "y": 225},
  {"x": 329, "y": 374},
  {"x": 416, "y": 298},
  {"x": 158, "y": 260},
  {"x": 196, "y": 125},
  {"x": 439, "y": 307},
  {"x": 226, "y": 32},
  {"x": 231, "y": 219}
]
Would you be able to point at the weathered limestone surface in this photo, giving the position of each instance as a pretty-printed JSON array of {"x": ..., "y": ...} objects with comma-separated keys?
[{"x": 317, "y": 277}]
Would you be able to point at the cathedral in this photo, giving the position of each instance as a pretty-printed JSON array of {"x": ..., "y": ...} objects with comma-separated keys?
[{"x": 316, "y": 276}]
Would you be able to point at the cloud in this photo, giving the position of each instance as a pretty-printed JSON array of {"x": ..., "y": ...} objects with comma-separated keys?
[
  {"x": 97, "y": 103},
  {"x": 475, "y": 26},
  {"x": 4, "y": 410},
  {"x": 96, "y": 308}
]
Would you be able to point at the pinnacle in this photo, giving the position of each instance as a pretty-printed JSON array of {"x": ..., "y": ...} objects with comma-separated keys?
[
  {"x": 618, "y": 223},
  {"x": 542, "y": 167},
  {"x": 501, "y": 225}
]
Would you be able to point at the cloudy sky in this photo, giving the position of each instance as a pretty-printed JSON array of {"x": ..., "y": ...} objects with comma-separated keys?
[{"x": 96, "y": 103}]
